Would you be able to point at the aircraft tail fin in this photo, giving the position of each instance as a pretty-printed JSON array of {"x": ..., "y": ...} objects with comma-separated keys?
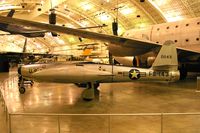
[
  {"x": 11, "y": 13},
  {"x": 166, "y": 58}
]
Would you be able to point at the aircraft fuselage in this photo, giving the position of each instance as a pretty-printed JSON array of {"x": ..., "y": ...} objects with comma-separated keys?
[
  {"x": 101, "y": 73},
  {"x": 185, "y": 34}
]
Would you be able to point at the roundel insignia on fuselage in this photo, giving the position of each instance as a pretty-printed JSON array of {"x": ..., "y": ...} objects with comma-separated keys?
[{"x": 134, "y": 74}]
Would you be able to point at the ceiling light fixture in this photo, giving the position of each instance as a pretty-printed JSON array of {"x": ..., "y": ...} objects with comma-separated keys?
[
  {"x": 126, "y": 11},
  {"x": 86, "y": 6}
]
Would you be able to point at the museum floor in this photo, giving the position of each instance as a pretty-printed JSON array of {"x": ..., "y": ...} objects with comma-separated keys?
[{"x": 121, "y": 108}]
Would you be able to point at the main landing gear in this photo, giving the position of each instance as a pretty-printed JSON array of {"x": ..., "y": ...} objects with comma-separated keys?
[
  {"x": 91, "y": 91},
  {"x": 21, "y": 84}
]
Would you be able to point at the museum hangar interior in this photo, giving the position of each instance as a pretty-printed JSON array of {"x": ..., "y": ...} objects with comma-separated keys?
[{"x": 83, "y": 71}]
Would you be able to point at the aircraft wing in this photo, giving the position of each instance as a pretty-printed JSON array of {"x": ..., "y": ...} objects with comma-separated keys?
[
  {"x": 82, "y": 33},
  {"x": 139, "y": 45},
  {"x": 33, "y": 31}
]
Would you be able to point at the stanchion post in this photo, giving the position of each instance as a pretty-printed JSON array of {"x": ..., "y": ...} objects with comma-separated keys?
[
  {"x": 9, "y": 123},
  {"x": 0, "y": 95},
  {"x": 161, "y": 123},
  {"x": 198, "y": 84},
  {"x": 109, "y": 124},
  {"x": 6, "y": 114},
  {"x": 58, "y": 124}
]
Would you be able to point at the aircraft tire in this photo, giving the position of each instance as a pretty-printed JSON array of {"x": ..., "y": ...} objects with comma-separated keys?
[
  {"x": 87, "y": 99},
  {"x": 22, "y": 90}
]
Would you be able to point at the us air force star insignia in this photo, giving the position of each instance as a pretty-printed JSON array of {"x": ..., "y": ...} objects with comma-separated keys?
[{"x": 134, "y": 74}]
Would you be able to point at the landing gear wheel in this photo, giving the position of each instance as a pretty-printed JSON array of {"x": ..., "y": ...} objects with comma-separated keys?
[
  {"x": 88, "y": 94},
  {"x": 91, "y": 91},
  {"x": 22, "y": 90},
  {"x": 87, "y": 99}
]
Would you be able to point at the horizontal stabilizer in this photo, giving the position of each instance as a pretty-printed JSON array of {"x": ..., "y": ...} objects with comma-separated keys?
[{"x": 167, "y": 57}]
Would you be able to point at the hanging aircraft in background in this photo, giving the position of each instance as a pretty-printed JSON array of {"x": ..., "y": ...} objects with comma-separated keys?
[
  {"x": 142, "y": 43},
  {"x": 20, "y": 30},
  {"x": 94, "y": 52},
  {"x": 24, "y": 56},
  {"x": 164, "y": 68},
  {"x": 88, "y": 48}
]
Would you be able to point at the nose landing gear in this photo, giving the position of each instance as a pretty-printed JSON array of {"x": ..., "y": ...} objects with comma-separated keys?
[
  {"x": 22, "y": 89},
  {"x": 22, "y": 82}
]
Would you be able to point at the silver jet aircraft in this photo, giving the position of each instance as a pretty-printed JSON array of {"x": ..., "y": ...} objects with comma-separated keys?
[{"x": 164, "y": 68}]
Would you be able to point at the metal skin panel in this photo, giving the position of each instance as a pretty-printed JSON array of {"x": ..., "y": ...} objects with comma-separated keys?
[{"x": 96, "y": 73}]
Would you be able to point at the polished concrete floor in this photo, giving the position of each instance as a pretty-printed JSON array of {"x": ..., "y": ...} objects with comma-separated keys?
[{"x": 121, "y": 99}]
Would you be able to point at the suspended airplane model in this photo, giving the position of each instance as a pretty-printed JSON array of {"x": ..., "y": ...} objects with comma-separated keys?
[{"x": 164, "y": 68}]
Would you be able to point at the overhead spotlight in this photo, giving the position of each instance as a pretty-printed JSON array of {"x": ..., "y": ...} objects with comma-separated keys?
[
  {"x": 52, "y": 16},
  {"x": 115, "y": 27},
  {"x": 24, "y": 5},
  {"x": 138, "y": 16},
  {"x": 54, "y": 34},
  {"x": 80, "y": 39},
  {"x": 142, "y": 0}
]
